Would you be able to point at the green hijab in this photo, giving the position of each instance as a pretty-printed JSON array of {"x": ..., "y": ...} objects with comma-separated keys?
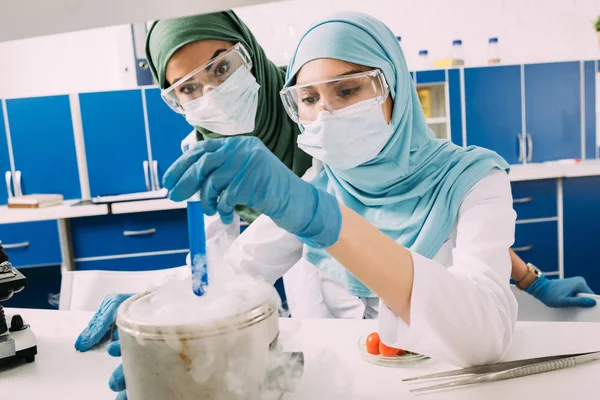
[{"x": 272, "y": 125}]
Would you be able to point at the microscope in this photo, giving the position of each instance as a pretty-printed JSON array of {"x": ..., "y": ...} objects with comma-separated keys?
[{"x": 17, "y": 341}]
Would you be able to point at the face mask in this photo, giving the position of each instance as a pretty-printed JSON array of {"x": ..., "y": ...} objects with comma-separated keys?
[
  {"x": 349, "y": 137},
  {"x": 229, "y": 109}
]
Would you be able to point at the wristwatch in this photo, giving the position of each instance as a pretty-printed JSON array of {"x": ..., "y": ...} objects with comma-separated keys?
[{"x": 533, "y": 273}]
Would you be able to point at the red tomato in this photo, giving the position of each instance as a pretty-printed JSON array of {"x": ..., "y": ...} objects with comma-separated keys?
[
  {"x": 373, "y": 342},
  {"x": 388, "y": 351}
]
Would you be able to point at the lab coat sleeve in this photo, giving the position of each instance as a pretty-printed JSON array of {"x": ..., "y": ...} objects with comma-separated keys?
[
  {"x": 465, "y": 314},
  {"x": 264, "y": 251}
]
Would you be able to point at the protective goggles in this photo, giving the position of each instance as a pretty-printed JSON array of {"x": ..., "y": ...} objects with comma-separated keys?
[
  {"x": 304, "y": 102},
  {"x": 206, "y": 77}
]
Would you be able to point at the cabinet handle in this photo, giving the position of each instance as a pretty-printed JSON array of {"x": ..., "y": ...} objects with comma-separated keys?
[
  {"x": 523, "y": 200},
  {"x": 8, "y": 178},
  {"x": 146, "y": 175},
  {"x": 529, "y": 147},
  {"x": 155, "y": 175},
  {"x": 17, "y": 184},
  {"x": 521, "y": 249},
  {"x": 16, "y": 245},
  {"x": 144, "y": 232},
  {"x": 521, "y": 138}
]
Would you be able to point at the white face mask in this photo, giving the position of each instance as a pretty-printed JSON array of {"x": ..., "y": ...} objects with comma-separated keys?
[
  {"x": 230, "y": 108},
  {"x": 350, "y": 137}
]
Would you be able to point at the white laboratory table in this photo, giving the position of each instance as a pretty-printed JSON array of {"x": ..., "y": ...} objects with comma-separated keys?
[
  {"x": 333, "y": 370},
  {"x": 66, "y": 210}
]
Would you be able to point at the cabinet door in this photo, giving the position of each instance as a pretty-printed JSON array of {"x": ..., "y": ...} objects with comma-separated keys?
[
  {"x": 537, "y": 243},
  {"x": 590, "y": 110},
  {"x": 581, "y": 204},
  {"x": 115, "y": 141},
  {"x": 553, "y": 110},
  {"x": 167, "y": 130},
  {"x": 43, "y": 145},
  {"x": 119, "y": 234},
  {"x": 4, "y": 160},
  {"x": 31, "y": 243},
  {"x": 493, "y": 109}
]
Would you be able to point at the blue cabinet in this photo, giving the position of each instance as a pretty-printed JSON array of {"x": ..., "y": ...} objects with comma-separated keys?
[
  {"x": 167, "y": 130},
  {"x": 537, "y": 243},
  {"x": 4, "y": 160},
  {"x": 535, "y": 199},
  {"x": 553, "y": 110},
  {"x": 454, "y": 91},
  {"x": 590, "y": 110},
  {"x": 581, "y": 205},
  {"x": 135, "y": 263},
  {"x": 433, "y": 76},
  {"x": 31, "y": 243},
  {"x": 115, "y": 141},
  {"x": 43, "y": 145},
  {"x": 120, "y": 234},
  {"x": 493, "y": 109}
]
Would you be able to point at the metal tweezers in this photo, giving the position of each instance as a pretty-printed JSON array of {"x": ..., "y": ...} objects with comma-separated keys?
[{"x": 506, "y": 370}]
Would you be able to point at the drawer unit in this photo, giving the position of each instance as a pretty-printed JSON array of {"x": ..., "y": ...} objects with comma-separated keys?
[
  {"x": 129, "y": 233},
  {"x": 139, "y": 263},
  {"x": 31, "y": 243},
  {"x": 537, "y": 243},
  {"x": 535, "y": 199}
]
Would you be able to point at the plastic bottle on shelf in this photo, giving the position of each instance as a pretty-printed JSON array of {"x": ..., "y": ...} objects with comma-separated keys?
[
  {"x": 458, "y": 58},
  {"x": 493, "y": 51},
  {"x": 424, "y": 60}
]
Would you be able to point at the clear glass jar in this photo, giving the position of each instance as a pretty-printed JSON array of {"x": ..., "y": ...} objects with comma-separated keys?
[
  {"x": 424, "y": 63},
  {"x": 458, "y": 57},
  {"x": 493, "y": 51}
]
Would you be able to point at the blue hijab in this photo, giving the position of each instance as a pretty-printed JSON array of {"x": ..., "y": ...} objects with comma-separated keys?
[{"x": 413, "y": 189}]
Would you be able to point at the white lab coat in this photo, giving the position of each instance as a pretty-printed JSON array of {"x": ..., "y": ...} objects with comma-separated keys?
[{"x": 462, "y": 309}]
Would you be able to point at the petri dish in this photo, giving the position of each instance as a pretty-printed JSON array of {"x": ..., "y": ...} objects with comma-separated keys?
[{"x": 403, "y": 360}]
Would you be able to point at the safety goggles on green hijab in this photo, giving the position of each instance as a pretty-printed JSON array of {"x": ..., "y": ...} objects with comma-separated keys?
[{"x": 272, "y": 124}]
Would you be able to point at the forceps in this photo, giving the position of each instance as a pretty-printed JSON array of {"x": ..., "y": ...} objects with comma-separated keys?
[{"x": 506, "y": 370}]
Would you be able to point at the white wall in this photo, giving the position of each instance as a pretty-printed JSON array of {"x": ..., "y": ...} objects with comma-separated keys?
[
  {"x": 529, "y": 31},
  {"x": 99, "y": 59}
]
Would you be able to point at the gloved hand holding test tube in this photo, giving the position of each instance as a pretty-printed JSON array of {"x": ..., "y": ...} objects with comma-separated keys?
[
  {"x": 197, "y": 245},
  {"x": 197, "y": 241}
]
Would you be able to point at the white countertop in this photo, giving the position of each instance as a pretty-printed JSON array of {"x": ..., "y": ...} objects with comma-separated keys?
[
  {"x": 146, "y": 205},
  {"x": 517, "y": 173},
  {"x": 62, "y": 211},
  {"x": 557, "y": 169},
  {"x": 333, "y": 367}
]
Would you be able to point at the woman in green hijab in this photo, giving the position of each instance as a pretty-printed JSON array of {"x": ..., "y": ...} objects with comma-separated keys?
[{"x": 192, "y": 55}]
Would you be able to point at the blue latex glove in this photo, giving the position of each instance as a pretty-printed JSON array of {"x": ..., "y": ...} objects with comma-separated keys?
[
  {"x": 241, "y": 170},
  {"x": 101, "y": 323},
  {"x": 561, "y": 292},
  {"x": 117, "y": 379}
]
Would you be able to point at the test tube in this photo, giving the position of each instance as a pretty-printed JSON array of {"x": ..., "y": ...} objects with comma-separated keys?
[{"x": 197, "y": 236}]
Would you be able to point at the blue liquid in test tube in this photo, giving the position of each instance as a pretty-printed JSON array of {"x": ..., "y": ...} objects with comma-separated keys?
[{"x": 197, "y": 245}]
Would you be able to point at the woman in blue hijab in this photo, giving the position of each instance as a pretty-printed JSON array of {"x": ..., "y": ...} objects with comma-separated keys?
[{"x": 421, "y": 224}]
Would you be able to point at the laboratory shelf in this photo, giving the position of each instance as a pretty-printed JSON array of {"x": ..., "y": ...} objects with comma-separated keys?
[{"x": 436, "y": 120}]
